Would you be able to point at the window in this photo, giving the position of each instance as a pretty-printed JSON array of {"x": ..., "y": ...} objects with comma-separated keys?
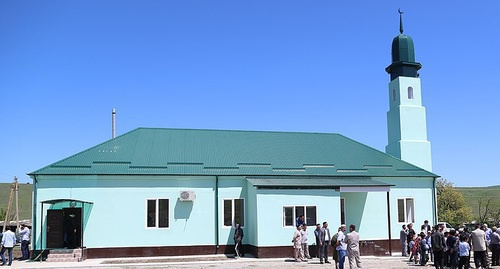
[
  {"x": 291, "y": 213},
  {"x": 393, "y": 95},
  {"x": 410, "y": 92},
  {"x": 342, "y": 211},
  {"x": 406, "y": 210},
  {"x": 234, "y": 212},
  {"x": 157, "y": 213}
]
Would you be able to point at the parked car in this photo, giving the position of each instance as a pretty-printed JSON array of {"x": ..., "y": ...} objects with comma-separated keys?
[{"x": 447, "y": 226}]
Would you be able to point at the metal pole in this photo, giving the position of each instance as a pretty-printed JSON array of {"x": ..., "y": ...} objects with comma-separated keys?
[
  {"x": 16, "y": 186},
  {"x": 113, "y": 123}
]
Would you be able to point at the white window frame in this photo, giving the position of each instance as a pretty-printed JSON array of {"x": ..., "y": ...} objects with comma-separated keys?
[
  {"x": 157, "y": 213},
  {"x": 342, "y": 209},
  {"x": 233, "y": 222},
  {"x": 294, "y": 217},
  {"x": 406, "y": 219}
]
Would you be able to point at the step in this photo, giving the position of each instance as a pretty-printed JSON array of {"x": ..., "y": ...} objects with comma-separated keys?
[{"x": 49, "y": 259}]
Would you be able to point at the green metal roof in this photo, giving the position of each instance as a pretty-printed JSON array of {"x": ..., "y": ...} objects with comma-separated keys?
[{"x": 155, "y": 151}]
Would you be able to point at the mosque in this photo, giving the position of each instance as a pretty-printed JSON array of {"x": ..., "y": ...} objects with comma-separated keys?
[{"x": 162, "y": 191}]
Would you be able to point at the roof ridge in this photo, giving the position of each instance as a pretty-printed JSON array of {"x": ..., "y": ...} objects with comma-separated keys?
[{"x": 238, "y": 130}]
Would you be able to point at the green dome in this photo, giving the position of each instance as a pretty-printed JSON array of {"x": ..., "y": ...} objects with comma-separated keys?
[
  {"x": 403, "y": 55},
  {"x": 403, "y": 49}
]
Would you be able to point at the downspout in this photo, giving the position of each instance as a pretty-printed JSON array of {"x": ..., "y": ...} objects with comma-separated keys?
[
  {"x": 216, "y": 214},
  {"x": 389, "y": 223},
  {"x": 33, "y": 224},
  {"x": 434, "y": 200}
]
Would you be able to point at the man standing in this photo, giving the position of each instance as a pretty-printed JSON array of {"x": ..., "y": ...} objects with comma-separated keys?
[
  {"x": 316, "y": 234},
  {"x": 324, "y": 242},
  {"x": 341, "y": 246},
  {"x": 495, "y": 246},
  {"x": 305, "y": 244},
  {"x": 411, "y": 235},
  {"x": 25, "y": 241},
  {"x": 403, "y": 237},
  {"x": 425, "y": 227},
  {"x": 238, "y": 240},
  {"x": 478, "y": 238},
  {"x": 352, "y": 241},
  {"x": 438, "y": 246},
  {"x": 297, "y": 245},
  {"x": 8, "y": 242}
]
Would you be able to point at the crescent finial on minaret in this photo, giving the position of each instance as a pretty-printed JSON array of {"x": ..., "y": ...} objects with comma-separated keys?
[{"x": 400, "y": 20}]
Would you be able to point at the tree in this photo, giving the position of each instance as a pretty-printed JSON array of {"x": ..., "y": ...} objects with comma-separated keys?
[{"x": 452, "y": 207}]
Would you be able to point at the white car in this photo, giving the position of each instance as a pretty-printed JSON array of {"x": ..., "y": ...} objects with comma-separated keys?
[{"x": 447, "y": 226}]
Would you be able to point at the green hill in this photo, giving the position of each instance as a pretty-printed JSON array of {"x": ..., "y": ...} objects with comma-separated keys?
[
  {"x": 473, "y": 194},
  {"x": 25, "y": 193}
]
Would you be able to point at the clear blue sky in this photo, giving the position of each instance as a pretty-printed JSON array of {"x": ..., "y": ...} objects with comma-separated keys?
[{"x": 311, "y": 66}]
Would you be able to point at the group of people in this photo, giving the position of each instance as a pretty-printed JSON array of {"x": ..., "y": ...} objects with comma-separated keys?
[
  {"x": 451, "y": 248},
  {"x": 343, "y": 244},
  {"x": 9, "y": 240}
]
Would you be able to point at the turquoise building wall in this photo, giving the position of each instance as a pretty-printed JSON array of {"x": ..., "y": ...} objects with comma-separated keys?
[
  {"x": 117, "y": 216},
  {"x": 270, "y": 203},
  {"x": 406, "y": 123},
  {"x": 118, "y": 213}
]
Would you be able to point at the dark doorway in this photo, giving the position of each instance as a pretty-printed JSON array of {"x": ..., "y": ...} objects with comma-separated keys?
[
  {"x": 64, "y": 228},
  {"x": 72, "y": 227}
]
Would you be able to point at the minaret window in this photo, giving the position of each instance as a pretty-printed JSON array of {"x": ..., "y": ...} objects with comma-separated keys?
[
  {"x": 410, "y": 92},
  {"x": 393, "y": 95}
]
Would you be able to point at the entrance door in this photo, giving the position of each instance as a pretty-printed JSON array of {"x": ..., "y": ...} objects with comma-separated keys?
[
  {"x": 55, "y": 228},
  {"x": 64, "y": 228}
]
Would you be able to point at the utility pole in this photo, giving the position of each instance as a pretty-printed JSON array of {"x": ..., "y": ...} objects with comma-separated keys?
[{"x": 13, "y": 189}]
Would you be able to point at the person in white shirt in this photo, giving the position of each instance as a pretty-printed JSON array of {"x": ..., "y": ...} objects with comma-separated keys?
[
  {"x": 25, "y": 241},
  {"x": 305, "y": 244},
  {"x": 341, "y": 246},
  {"x": 8, "y": 242}
]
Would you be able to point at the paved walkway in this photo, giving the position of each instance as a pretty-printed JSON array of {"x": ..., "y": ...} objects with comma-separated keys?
[{"x": 213, "y": 261}]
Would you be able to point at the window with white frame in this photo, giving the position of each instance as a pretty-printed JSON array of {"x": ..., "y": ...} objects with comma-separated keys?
[
  {"x": 157, "y": 213},
  {"x": 291, "y": 213},
  {"x": 234, "y": 212},
  {"x": 406, "y": 210}
]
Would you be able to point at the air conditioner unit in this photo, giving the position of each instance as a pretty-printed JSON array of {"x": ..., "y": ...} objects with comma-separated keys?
[{"x": 187, "y": 196}]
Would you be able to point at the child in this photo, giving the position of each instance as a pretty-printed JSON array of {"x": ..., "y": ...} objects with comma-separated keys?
[
  {"x": 423, "y": 250},
  {"x": 464, "y": 250},
  {"x": 414, "y": 246}
]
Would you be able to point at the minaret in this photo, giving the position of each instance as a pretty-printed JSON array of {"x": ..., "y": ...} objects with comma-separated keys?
[{"x": 406, "y": 122}]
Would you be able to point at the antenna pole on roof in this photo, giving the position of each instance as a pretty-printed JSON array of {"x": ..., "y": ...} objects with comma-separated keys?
[{"x": 113, "y": 123}]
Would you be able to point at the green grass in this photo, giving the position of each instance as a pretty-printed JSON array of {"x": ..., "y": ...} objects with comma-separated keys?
[
  {"x": 473, "y": 194},
  {"x": 25, "y": 193}
]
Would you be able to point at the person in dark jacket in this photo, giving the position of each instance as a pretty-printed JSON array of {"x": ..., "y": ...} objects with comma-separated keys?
[
  {"x": 438, "y": 246},
  {"x": 238, "y": 241}
]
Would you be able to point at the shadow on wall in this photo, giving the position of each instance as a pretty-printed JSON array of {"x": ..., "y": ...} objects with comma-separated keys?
[
  {"x": 183, "y": 210},
  {"x": 355, "y": 206}
]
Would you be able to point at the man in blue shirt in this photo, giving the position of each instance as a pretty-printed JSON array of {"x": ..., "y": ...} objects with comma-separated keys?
[
  {"x": 8, "y": 242},
  {"x": 299, "y": 221}
]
